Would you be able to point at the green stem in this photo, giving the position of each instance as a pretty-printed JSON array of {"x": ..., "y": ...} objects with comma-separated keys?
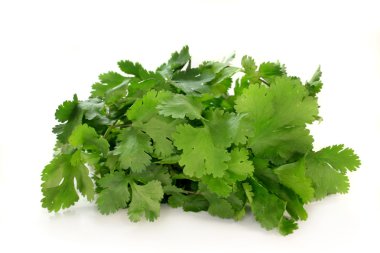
[
  {"x": 114, "y": 126},
  {"x": 109, "y": 129}
]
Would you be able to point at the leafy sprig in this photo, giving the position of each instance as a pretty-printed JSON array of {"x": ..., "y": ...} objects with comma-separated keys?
[{"x": 196, "y": 138}]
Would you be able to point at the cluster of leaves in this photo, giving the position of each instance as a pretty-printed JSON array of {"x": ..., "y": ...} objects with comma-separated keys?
[{"x": 177, "y": 136}]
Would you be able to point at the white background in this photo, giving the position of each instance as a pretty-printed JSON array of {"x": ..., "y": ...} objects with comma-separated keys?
[{"x": 52, "y": 49}]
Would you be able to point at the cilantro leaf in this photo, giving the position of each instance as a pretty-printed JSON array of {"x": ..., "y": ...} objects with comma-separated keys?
[
  {"x": 115, "y": 193},
  {"x": 133, "y": 149},
  {"x": 154, "y": 172},
  {"x": 267, "y": 177},
  {"x": 327, "y": 169},
  {"x": 287, "y": 226},
  {"x": 197, "y": 142},
  {"x": 220, "y": 207},
  {"x": 221, "y": 186},
  {"x": 314, "y": 86},
  {"x": 86, "y": 137},
  {"x": 95, "y": 111},
  {"x": 278, "y": 116},
  {"x": 226, "y": 128},
  {"x": 180, "y": 106},
  {"x": 193, "y": 81},
  {"x": 179, "y": 60},
  {"x": 160, "y": 130},
  {"x": 80, "y": 171},
  {"x": 108, "y": 81},
  {"x": 195, "y": 203},
  {"x": 134, "y": 69},
  {"x": 340, "y": 158},
  {"x": 293, "y": 176},
  {"x": 58, "y": 194},
  {"x": 65, "y": 110},
  {"x": 248, "y": 64},
  {"x": 145, "y": 201},
  {"x": 239, "y": 169},
  {"x": 176, "y": 62},
  {"x": 267, "y": 208},
  {"x": 58, "y": 182},
  {"x": 270, "y": 69},
  {"x": 144, "y": 108},
  {"x": 71, "y": 115}
]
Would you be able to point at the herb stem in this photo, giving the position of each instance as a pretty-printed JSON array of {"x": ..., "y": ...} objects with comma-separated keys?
[{"x": 109, "y": 129}]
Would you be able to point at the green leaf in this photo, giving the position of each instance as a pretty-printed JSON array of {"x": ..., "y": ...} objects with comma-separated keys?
[
  {"x": 287, "y": 226},
  {"x": 95, "y": 111},
  {"x": 226, "y": 128},
  {"x": 293, "y": 176},
  {"x": 70, "y": 114},
  {"x": 85, "y": 137},
  {"x": 314, "y": 86},
  {"x": 193, "y": 81},
  {"x": 248, "y": 64},
  {"x": 179, "y": 60},
  {"x": 221, "y": 208},
  {"x": 83, "y": 181},
  {"x": 195, "y": 203},
  {"x": 221, "y": 186},
  {"x": 58, "y": 182},
  {"x": 270, "y": 180},
  {"x": 270, "y": 69},
  {"x": 145, "y": 201},
  {"x": 197, "y": 142},
  {"x": 108, "y": 81},
  {"x": 145, "y": 108},
  {"x": 278, "y": 116},
  {"x": 65, "y": 110},
  {"x": 160, "y": 129},
  {"x": 58, "y": 194},
  {"x": 134, "y": 69},
  {"x": 115, "y": 193},
  {"x": 180, "y": 106},
  {"x": 134, "y": 147},
  {"x": 327, "y": 169},
  {"x": 239, "y": 167},
  {"x": 340, "y": 158},
  {"x": 153, "y": 172},
  {"x": 176, "y": 200},
  {"x": 267, "y": 208}
]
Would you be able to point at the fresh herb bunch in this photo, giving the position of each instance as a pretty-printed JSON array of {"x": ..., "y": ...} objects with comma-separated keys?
[{"x": 178, "y": 136}]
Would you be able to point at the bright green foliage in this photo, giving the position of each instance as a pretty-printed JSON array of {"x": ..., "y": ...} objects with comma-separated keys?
[
  {"x": 145, "y": 108},
  {"x": 133, "y": 149},
  {"x": 314, "y": 86},
  {"x": 58, "y": 181},
  {"x": 292, "y": 175},
  {"x": 160, "y": 129},
  {"x": 327, "y": 169},
  {"x": 278, "y": 115},
  {"x": 180, "y": 106},
  {"x": 85, "y": 137},
  {"x": 266, "y": 206},
  {"x": 239, "y": 167},
  {"x": 70, "y": 115},
  {"x": 226, "y": 128},
  {"x": 146, "y": 201},
  {"x": 115, "y": 193},
  {"x": 198, "y": 138},
  {"x": 200, "y": 154}
]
